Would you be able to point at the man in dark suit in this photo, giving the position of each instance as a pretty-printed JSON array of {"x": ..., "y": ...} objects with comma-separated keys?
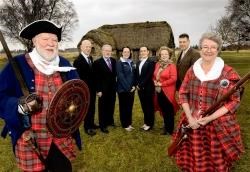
[
  {"x": 145, "y": 87},
  {"x": 105, "y": 75},
  {"x": 83, "y": 65},
  {"x": 186, "y": 58}
]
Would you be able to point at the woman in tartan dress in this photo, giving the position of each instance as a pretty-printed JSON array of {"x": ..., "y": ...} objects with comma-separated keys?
[{"x": 214, "y": 142}]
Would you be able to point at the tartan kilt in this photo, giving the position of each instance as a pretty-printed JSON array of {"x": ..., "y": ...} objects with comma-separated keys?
[{"x": 213, "y": 147}]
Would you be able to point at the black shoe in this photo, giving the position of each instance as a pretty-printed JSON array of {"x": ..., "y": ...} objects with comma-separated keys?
[
  {"x": 95, "y": 126},
  {"x": 90, "y": 132},
  {"x": 170, "y": 132},
  {"x": 164, "y": 132},
  {"x": 113, "y": 125},
  {"x": 104, "y": 130}
]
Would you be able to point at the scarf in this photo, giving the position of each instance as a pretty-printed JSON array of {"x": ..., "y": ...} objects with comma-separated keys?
[
  {"x": 214, "y": 72},
  {"x": 163, "y": 65},
  {"x": 47, "y": 67}
]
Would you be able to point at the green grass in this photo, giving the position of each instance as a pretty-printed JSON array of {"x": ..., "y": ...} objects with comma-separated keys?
[
  {"x": 137, "y": 151},
  {"x": 2, "y": 63}
]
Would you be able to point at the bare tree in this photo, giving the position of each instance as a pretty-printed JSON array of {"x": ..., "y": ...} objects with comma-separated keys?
[
  {"x": 223, "y": 27},
  {"x": 239, "y": 11},
  {"x": 234, "y": 27},
  {"x": 15, "y": 14}
]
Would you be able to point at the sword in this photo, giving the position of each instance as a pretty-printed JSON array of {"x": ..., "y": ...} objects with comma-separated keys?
[
  {"x": 14, "y": 65},
  {"x": 30, "y": 137},
  {"x": 17, "y": 73}
]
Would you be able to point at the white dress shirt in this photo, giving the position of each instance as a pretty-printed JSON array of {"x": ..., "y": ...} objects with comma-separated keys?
[
  {"x": 141, "y": 64},
  {"x": 86, "y": 57}
]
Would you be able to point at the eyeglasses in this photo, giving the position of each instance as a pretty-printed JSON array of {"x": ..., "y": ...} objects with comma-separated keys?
[{"x": 206, "y": 48}]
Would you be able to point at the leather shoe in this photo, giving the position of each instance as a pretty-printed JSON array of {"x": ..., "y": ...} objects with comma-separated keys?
[
  {"x": 164, "y": 132},
  {"x": 104, "y": 130},
  {"x": 112, "y": 125},
  {"x": 91, "y": 132},
  {"x": 95, "y": 126}
]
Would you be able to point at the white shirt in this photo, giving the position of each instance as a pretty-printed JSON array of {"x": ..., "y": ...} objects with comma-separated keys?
[
  {"x": 141, "y": 64},
  {"x": 86, "y": 57},
  {"x": 184, "y": 52}
]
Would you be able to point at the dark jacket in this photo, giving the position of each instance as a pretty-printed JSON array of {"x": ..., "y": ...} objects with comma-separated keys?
[
  {"x": 145, "y": 81},
  {"x": 125, "y": 76},
  {"x": 184, "y": 64},
  {"x": 105, "y": 79},
  {"x": 85, "y": 71}
]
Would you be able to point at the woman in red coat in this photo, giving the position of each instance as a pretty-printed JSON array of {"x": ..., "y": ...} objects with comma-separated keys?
[
  {"x": 164, "y": 78},
  {"x": 214, "y": 142}
]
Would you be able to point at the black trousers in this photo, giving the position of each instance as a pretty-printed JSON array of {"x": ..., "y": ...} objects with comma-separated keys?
[
  {"x": 106, "y": 107},
  {"x": 126, "y": 101},
  {"x": 146, "y": 99},
  {"x": 167, "y": 111},
  {"x": 56, "y": 161},
  {"x": 89, "y": 119}
]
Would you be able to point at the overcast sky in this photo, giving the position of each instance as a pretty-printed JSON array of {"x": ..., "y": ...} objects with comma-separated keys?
[{"x": 191, "y": 16}]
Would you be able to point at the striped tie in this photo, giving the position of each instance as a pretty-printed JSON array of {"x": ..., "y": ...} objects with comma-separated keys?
[{"x": 109, "y": 64}]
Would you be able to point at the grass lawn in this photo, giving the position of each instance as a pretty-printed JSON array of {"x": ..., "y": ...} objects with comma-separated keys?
[{"x": 137, "y": 151}]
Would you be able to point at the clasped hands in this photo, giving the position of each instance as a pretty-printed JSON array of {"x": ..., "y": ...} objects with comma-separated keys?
[
  {"x": 157, "y": 83},
  {"x": 195, "y": 123}
]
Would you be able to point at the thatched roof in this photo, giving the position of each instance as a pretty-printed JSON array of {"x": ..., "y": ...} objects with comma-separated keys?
[
  {"x": 100, "y": 37},
  {"x": 150, "y": 34}
]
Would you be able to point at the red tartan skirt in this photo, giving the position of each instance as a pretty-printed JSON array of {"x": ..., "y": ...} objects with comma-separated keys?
[{"x": 213, "y": 147}]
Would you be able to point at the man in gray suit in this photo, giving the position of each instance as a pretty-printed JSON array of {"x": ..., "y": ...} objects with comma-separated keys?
[{"x": 186, "y": 58}]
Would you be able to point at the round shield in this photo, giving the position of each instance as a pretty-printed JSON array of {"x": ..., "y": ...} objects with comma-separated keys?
[{"x": 68, "y": 108}]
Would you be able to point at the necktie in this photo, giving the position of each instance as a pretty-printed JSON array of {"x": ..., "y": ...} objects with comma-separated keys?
[
  {"x": 89, "y": 61},
  {"x": 109, "y": 64},
  {"x": 182, "y": 54}
]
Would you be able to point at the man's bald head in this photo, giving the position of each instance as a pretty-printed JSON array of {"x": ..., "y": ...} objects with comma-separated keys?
[{"x": 86, "y": 47}]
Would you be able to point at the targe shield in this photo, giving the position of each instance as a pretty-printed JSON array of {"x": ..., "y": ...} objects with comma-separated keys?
[{"x": 68, "y": 108}]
